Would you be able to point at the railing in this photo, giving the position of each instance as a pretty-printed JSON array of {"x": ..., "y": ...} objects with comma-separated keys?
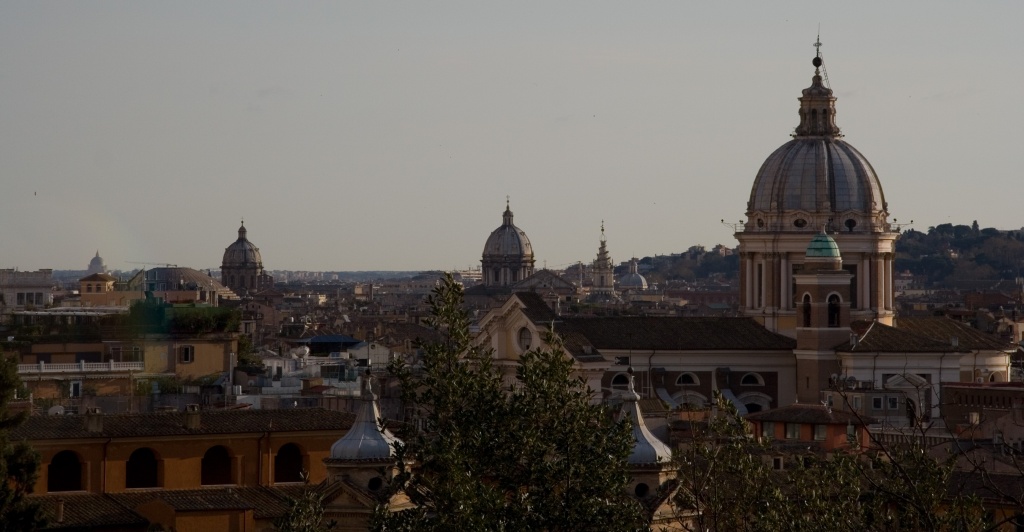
[{"x": 81, "y": 367}]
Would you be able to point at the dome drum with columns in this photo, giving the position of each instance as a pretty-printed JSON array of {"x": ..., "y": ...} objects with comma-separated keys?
[
  {"x": 508, "y": 254},
  {"x": 815, "y": 182},
  {"x": 241, "y": 269}
]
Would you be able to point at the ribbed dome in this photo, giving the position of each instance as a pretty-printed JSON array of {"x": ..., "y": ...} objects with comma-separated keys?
[
  {"x": 817, "y": 179},
  {"x": 242, "y": 253},
  {"x": 508, "y": 241},
  {"x": 816, "y": 175}
]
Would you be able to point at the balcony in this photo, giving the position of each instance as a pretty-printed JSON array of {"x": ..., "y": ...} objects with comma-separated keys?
[{"x": 80, "y": 367}]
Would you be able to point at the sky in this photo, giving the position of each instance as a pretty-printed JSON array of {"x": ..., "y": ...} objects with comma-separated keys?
[{"x": 387, "y": 135}]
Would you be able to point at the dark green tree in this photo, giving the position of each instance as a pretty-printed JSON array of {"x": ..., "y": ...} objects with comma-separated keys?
[
  {"x": 523, "y": 453},
  {"x": 305, "y": 513},
  {"x": 19, "y": 463}
]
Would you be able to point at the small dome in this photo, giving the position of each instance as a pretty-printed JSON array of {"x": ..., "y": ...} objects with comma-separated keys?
[
  {"x": 366, "y": 439},
  {"x": 823, "y": 246},
  {"x": 633, "y": 280},
  {"x": 508, "y": 241},
  {"x": 242, "y": 253}
]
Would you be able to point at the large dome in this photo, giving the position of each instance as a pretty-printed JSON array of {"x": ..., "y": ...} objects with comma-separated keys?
[
  {"x": 508, "y": 242},
  {"x": 242, "y": 253},
  {"x": 817, "y": 180}
]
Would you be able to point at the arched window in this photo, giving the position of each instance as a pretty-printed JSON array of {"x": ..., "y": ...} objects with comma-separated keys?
[
  {"x": 620, "y": 381},
  {"x": 216, "y": 466},
  {"x": 833, "y": 310},
  {"x": 752, "y": 379},
  {"x": 65, "y": 472},
  {"x": 807, "y": 310},
  {"x": 288, "y": 464},
  {"x": 141, "y": 469},
  {"x": 687, "y": 379}
]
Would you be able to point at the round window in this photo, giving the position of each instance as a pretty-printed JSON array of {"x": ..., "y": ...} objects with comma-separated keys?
[
  {"x": 800, "y": 222},
  {"x": 375, "y": 483},
  {"x": 641, "y": 490}
]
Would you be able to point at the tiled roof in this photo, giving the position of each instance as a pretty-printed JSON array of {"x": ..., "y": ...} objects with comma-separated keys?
[
  {"x": 875, "y": 337},
  {"x": 173, "y": 424},
  {"x": 535, "y": 308},
  {"x": 266, "y": 502},
  {"x": 86, "y": 511},
  {"x": 674, "y": 333},
  {"x": 805, "y": 413},
  {"x": 194, "y": 500},
  {"x": 944, "y": 329}
]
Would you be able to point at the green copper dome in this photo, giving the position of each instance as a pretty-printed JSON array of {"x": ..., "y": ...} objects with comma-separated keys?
[{"x": 823, "y": 246}]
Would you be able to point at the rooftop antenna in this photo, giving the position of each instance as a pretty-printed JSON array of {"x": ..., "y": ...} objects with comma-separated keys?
[{"x": 819, "y": 61}]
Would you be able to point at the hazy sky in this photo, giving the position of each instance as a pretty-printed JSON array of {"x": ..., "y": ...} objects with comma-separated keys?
[{"x": 385, "y": 135}]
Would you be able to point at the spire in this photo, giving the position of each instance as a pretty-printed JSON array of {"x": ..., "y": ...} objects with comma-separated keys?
[
  {"x": 817, "y": 105},
  {"x": 366, "y": 439},
  {"x": 507, "y": 216},
  {"x": 648, "y": 449}
]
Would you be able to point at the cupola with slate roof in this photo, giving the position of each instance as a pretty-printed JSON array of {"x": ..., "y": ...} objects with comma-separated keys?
[
  {"x": 367, "y": 439},
  {"x": 650, "y": 461}
]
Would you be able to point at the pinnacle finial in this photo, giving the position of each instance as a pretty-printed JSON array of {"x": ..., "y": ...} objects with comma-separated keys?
[
  {"x": 602, "y": 229},
  {"x": 817, "y": 53}
]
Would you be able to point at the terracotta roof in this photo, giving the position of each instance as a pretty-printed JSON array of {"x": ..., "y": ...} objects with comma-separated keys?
[
  {"x": 881, "y": 338},
  {"x": 87, "y": 511},
  {"x": 675, "y": 333},
  {"x": 173, "y": 423},
  {"x": 535, "y": 308},
  {"x": 943, "y": 329},
  {"x": 804, "y": 413},
  {"x": 266, "y": 502}
]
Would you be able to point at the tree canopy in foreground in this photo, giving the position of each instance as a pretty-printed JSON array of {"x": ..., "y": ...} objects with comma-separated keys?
[{"x": 495, "y": 453}]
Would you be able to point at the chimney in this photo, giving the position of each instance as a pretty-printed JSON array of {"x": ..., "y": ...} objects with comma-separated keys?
[
  {"x": 59, "y": 511},
  {"x": 94, "y": 419},
  {"x": 192, "y": 417}
]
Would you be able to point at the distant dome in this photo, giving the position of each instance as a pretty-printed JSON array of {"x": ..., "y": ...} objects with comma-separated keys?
[
  {"x": 817, "y": 179},
  {"x": 822, "y": 246},
  {"x": 96, "y": 265},
  {"x": 508, "y": 241},
  {"x": 242, "y": 253},
  {"x": 508, "y": 255},
  {"x": 633, "y": 280}
]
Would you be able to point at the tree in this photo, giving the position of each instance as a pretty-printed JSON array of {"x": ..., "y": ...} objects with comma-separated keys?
[
  {"x": 305, "y": 513},
  {"x": 726, "y": 482},
  {"x": 19, "y": 463},
  {"x": 532, "y": 455}
]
